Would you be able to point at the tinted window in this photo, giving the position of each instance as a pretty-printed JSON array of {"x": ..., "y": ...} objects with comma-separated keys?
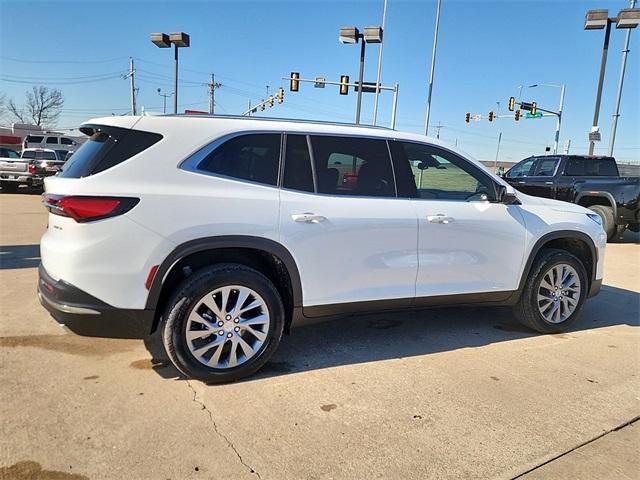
[
  {"x": 429, "y": 172},
  {"x": 249, "y": 157},
  {"x": 522, "y": 169},
  {"x": 34, "y": 139},
  {"x": 105, "y": 148},
  {"x": 39, "y": 155},
  {"x": 297, "y": 164},
  {"x": 8, "y": 153},
  {"x": 353, "y": 166},
  {"x": 591, "y": 167},
  {"x": 52, "y": 140},
  {"x": 66, "y": 141},
  {"x": 546, "y": 167}
]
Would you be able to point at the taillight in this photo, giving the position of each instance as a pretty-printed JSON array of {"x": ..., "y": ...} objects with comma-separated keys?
[
  {"x": 88, "y": 209},
  {"x": 32, "y": 169}
]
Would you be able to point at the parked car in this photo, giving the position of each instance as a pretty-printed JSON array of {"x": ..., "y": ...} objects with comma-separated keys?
[
  {"x": 53, "y": 141},
  {"x": 225, "y": 232},
  {"x": 8, "y": 153},
  {"x": 33, "y": 165},
  {"x": 593, "y": 182}
]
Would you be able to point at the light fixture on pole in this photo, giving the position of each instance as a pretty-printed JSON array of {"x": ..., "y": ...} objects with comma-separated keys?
[
  {"x": 597, "y": 20},
  {"x": 558, "y": 113},
  {"x": 179, "y": 40},
  {"x": 351, "y": 35}
]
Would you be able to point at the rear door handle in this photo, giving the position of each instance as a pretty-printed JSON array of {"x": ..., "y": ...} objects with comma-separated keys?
[
  {"x": 307, "y": 218},
  {"x": 440, "y": 219}
]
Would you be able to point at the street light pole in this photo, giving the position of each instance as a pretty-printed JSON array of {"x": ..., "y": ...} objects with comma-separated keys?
[
  {"x": 179, "y": 40},
  {"x": 433, "y": 67},
  {"x": 616, "y": 114},
  {"x": 360, "y": 81},
  {"x": 175, "y": 81},
  {"x": 603, "y": 63},
  {"x": 379, "y": 76},
  {"x": 557, "y": 139}
]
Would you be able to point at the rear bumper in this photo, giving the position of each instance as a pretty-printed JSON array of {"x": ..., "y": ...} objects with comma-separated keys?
[
  {"x": 86, "y": 315},
  {"x": 18, "y": 178}
]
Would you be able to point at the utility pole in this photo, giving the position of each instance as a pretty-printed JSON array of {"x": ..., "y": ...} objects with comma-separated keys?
[
  {"x": 616, "y": 113},
  {"x": 438, "y": 127},
  {"x": 131, "y": 77},
  {"x": 433, "y": 68},
  {"x": 567, "y": 146},
  {"x": 495, "y": 163},
  {"x": 379, "y": 76},
  {"x": 212, "y": 89}
]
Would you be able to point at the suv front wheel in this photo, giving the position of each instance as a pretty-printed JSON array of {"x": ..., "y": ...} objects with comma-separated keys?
[
  {"x": 224, "y": 323},
  {"x": 554, "y": 293}
]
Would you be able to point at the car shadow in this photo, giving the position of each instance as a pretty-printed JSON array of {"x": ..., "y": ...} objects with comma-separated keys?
[
  {"x": 384, "y": 336},
  {"x": 19, "y": 256}
]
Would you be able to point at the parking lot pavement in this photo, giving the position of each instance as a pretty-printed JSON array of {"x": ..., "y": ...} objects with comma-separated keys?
[{"x": 447, "y": 393}]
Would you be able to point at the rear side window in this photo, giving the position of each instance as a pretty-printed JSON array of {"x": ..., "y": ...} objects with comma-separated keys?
[
  {"x": 106, "y": 147},
  {"x": 591, "y": 167},
  {"x": 52, "y": 140},
  {"x": 353, "y": 166},
  {"x": 66, "y": 141},
  {"x": 254, "y": 157},
  {"x": 546, "y": 167}
]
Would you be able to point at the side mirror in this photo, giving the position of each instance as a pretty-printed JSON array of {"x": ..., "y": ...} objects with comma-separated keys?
[{"x": 506, "y": 197}]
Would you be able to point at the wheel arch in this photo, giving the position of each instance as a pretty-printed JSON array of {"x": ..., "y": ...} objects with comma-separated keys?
[
  {"x": 267, "y": 256},
  {"x": 577, "y": 243},
  {"x": 588, "y": 199}
]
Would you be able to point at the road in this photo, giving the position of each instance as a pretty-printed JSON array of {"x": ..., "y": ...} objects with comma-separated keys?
[{"x": 446, "y": 393}]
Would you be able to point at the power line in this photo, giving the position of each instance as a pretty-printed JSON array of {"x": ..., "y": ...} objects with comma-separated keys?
[{"x": 20, "y": 60}]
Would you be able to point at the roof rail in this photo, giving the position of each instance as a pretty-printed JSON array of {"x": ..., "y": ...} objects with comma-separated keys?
[{"x": 275, "y": 119}]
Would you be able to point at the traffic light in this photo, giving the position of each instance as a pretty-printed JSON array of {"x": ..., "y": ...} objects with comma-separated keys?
[
  {"x": 344, "y": 84},
  {"x": 271, "y": 99},
  {"x": 294, "y": 84},
  {"x": 467, "y": 117},
  {"x": 261, "y": 105},
  {"x": 491, "y": 117},
  {"x": 280, "y": 95},
  {"x": 534, "y": 108},
  {"x": 517, "y": 115},
  {"x": 512, "y": 103}
]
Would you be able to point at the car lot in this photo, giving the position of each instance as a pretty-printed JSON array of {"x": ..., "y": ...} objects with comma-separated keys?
[{"x": 447, "y": 393}]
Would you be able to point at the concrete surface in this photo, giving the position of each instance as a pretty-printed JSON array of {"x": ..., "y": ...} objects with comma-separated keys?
[{"x": 448, "y": 393}]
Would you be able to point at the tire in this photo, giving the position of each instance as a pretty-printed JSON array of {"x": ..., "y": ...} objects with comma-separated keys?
[
  {"x": 187, "y": 309},
  {"x": 9, "y": 187},
  {"x": 608, "y": 221},
  {"x": 528, "y": 309}
]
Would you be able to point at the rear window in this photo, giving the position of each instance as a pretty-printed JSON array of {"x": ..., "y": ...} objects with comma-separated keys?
[
  {"x": 591, "y": 167},
  {"x": 106, "y": 148},
  {"x": 39, "y": 155}
]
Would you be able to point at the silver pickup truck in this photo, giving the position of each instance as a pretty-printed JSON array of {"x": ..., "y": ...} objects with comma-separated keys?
[{"x": 30, "y": 168}]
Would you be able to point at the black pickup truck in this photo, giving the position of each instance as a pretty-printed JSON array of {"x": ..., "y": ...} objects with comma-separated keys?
[{"x": 590, "y": 181}]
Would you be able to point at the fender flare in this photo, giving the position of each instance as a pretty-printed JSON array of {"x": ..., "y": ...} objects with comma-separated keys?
[
  {"x": 606, "y": 195},
  {"x": 225, "y": 241},
  {"x": 560, "y": 234}
]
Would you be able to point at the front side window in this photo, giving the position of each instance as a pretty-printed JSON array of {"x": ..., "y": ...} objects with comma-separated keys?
[
  {"x": 52, "y": 140},
  {"x": 254, "y": 157},
  {"x": 546, "y": 167},
  {"x": 523, "y": 169},
  {"x": 34, "y": 139},
  {"x": 429, "y": 172},
  {"x": 353, "y": 166}
]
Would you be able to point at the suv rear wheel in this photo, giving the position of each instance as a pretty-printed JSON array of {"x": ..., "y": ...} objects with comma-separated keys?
[
  {"x": 554, "y": 293},
  {"x": 223, "y": 323}
]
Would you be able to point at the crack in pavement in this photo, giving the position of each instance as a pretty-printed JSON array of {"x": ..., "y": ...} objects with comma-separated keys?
[
  {"x": 220, "y": 434},
  {"x": 597, "y": 437}
]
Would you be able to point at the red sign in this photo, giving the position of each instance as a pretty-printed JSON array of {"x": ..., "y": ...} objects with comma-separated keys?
[
  {"x": 10, "y": 140},
  {"x": 195, "y": 112}
]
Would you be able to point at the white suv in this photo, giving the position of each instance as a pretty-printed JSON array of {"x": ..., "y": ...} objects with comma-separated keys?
[{"x": 224, "y": 232}]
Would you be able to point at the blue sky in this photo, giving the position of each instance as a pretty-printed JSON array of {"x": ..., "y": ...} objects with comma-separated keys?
[{"x": 486, "y": 49}]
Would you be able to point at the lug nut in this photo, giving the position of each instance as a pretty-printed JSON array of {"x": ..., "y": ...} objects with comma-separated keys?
[
  {"x": 228, "y": 317},
  {"x": 229, "y": 335},
  {"x": 220, "y": 324},
  {"x": 237, "y": 329},
  {"x": 236, "y": 320},
  {"x": 221, "y": 332}
]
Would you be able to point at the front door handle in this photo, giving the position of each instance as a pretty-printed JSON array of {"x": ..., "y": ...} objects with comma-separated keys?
[
  {"x": 440, "y": 218},
  {"x": 307, "y": 218}
]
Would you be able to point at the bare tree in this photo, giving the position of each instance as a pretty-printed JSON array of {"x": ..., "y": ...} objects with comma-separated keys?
[
  {"x": 42, "y": 107},
  {"x": 3, "y": 107}
]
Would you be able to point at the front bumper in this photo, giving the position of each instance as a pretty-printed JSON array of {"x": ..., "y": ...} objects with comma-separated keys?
[{"x": 86, "y": 315}]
